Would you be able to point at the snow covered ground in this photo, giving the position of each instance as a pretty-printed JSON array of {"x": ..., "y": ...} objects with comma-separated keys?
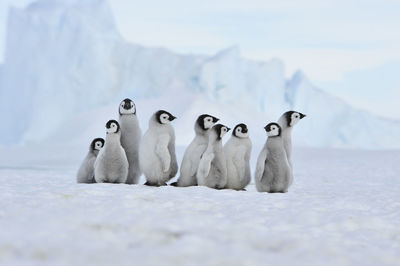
[{"x": 343, "y": 209}]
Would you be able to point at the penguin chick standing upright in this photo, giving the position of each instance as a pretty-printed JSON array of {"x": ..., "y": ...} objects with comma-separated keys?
[
  {"x": 111, "y": 165},
  {"x": 237, "y": 153},
  {"x": 195, "y": 150},
  {"x": 130, "y": 138},
  {"x": 86, "y": 170},
  {"x": 273, "y": 172},
  {"x": 287, "y": 121},
  {"x": 212, "y": 167},
  {"x": 157, "y": 150}
]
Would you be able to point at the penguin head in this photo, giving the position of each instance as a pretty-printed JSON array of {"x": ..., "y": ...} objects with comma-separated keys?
[
  {"x": 164, "y": 117},
  {"x": 273, "y": 129},
  {"x": 220, "y": 130},
  {"x": 112, "y": 126},
  {"x": 240, "y": 131},
  {"x": 127, "y": 107},
  {"x": 97, "y": 144},
  {"x": 206, "y": 121},
  {"x": 292, "y": 117}
]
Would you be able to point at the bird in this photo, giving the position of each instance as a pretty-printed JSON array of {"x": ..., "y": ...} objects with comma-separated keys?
[
  {"x": 212, "y": 170},
  {"x": 86, "y": 170},
  {"x": 273, "y": 172},
  {"x": 111, "y": 165},
  {"x": 157, "y": 150},
  {"x": 237, "y": 153}
]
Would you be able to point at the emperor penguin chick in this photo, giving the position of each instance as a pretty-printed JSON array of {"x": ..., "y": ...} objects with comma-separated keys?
[
  {"x": 195, "y": 150},
  {"x": 86, "y": 170},
  {"x": 212, "y": 167},
  {"x": 157, "y": 150},
  {"x": 273, "y": 172},
  {"x": 287, "y": 121},
  {"x": 111, "y": 165},
  {"x": 237, "y": 153},
  {"x": 130, "y": 138}
]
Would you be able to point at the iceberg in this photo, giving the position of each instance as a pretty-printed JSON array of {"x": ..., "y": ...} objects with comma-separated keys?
[{"x": 65, "y": 59}]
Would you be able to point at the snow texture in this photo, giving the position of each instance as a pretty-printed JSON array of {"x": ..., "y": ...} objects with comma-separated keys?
[
  {"x": 65, "y": 59},
  {"x": 343, "y": 209}
]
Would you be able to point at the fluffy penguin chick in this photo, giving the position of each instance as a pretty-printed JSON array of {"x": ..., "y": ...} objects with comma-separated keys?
[
  {"x": 157, "y": 150},
  {"x": 237, "y": 153},
  {"x": 195, "y": 150},
  {"x": 273, "y": 172},
  {"x": 130, "y": 138},
  {"x": 212, "y": 167},
  {"x": 111, "y": 165},
  {"x": 86, "y": 170},
  {"x": 287, "y": 121}
]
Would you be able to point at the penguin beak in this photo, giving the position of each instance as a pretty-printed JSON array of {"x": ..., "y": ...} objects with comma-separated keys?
[
  {"x": 302, "y": 116},
  {"x": 245, "y": 130},
  {"x": 171, "y": 118},
  {"x": 227, "y": 129},
  {"x": 215, "y": 120},
  {"x": 265, "y": 128}
]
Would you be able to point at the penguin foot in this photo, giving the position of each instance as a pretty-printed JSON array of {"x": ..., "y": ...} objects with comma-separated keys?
[
  {"x": 155, "y": 185},
  {"x": 174, "y": 184}
]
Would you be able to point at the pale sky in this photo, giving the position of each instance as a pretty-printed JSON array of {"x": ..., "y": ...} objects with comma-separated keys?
[{"x": 349, "y": 48}]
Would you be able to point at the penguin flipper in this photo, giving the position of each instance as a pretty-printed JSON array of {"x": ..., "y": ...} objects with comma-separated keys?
[
  {"x": 262, "y": 159},
  {"x": 205, "y": 165}
]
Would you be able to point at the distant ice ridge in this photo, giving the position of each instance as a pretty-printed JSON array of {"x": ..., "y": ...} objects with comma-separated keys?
[{"x": 66, "y": 58}]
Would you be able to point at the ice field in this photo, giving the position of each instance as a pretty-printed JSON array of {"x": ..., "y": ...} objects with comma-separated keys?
[
  {"x": 343, "y": 209},
  {"x": 67, "y": 67}
]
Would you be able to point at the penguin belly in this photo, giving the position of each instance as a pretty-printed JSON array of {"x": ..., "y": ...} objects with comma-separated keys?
[
  {"x": 111, "y": 166},
  {"x": 130, "y": 141}
]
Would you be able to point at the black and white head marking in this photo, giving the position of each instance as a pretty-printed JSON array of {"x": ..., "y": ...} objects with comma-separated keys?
[
  {"x": 164, "y": 117},
  {"x": 240, "y": 131},
  {"x": 97, "y": 144},
  {"x": 112, "y": 126},
  {"x": 127, "y": 107},
  {"x": 221, "y": 130},
  {"x": 206, "y": 121},
  {"x": 292, "y": 117},
  {"x": 273, "y": 129}
]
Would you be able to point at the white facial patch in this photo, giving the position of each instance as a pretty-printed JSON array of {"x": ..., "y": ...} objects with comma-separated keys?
[
  {"x": 223, "y": 132},
  {"x": 164, "y": 118},
  {"x": 131, "y": 110},
  {"x": 208, "y": 122},
  {"x": 113, "y": 128},
  {"x": 274, "y": 131},
  {"x": 294, "y": 118},
  {"x": 98, "y": 145},
  {"x": 240, "y": 134}
]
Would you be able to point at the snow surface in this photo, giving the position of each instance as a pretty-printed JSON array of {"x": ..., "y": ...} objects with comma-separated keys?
[
  {"x": 343, "y": 209},
  {"x": 65, "y": 59}
]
